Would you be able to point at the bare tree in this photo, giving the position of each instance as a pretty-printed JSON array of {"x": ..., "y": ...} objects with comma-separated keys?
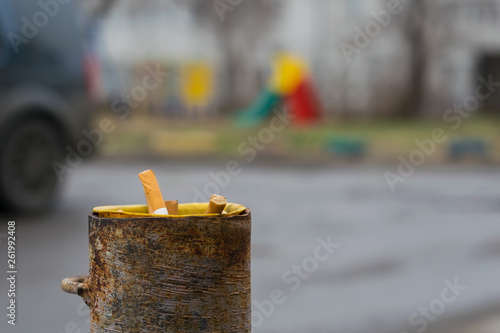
[
  {"x": 240, "y": 27},
  {"x": 98, "y": 9},
  {"x": 240, "y": 30},
  {"x": 412, "y": 25}
]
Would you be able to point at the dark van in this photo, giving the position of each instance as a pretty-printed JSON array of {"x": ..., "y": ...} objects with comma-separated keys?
[{"x": 44, "y": 104}]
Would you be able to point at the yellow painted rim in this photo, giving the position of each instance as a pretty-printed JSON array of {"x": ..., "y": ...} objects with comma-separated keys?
[{"x": 186, "y": 209}]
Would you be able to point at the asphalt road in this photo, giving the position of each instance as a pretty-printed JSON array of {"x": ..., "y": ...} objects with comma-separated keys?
[{"x": 395, "y": 253}]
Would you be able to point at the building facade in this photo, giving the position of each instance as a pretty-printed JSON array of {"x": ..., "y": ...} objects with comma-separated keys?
[{"x": 367, "y": 57}]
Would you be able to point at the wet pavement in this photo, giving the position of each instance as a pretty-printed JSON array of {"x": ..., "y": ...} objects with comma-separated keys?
[{"x": 344, "y": 253}]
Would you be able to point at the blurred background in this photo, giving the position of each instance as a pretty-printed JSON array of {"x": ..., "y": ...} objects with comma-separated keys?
[{"x": 370, "y": 123}]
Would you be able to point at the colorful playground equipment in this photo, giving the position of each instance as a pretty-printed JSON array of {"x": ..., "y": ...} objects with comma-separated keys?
[
  {"x": 197, "y": 86},
  {"x": 468, "y": 147},
  {"x": 289, "y": 83}
]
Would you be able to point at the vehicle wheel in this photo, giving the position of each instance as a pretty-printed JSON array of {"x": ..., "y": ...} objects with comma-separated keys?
[{"x": 27, "y": 181}]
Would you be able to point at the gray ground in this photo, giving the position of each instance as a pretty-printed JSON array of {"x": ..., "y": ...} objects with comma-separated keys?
[{"x": 396, "y": 249}]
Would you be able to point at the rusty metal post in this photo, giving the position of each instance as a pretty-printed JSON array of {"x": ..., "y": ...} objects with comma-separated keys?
[{"x": 158, "y": 274}]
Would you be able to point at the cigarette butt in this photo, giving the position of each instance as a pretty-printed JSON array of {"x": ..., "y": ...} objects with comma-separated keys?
[
  {"x": 172, "y": 207},
  {"x": 156, "y": 205},
  {"x": 216, "y": 205},
  {"x": 150, "y": 209}
]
